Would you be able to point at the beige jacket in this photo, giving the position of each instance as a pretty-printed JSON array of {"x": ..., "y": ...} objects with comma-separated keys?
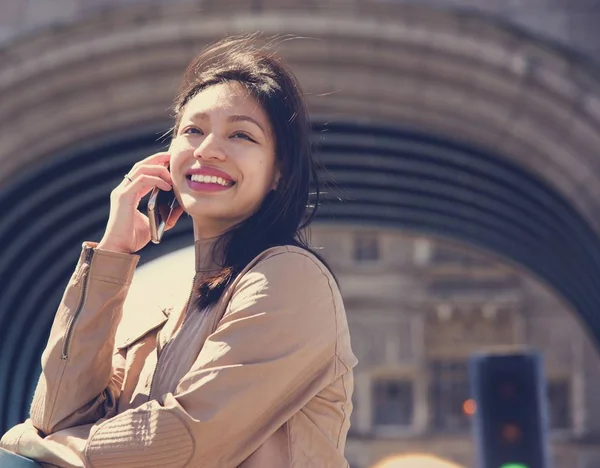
[{"x": 263, "y": 378}]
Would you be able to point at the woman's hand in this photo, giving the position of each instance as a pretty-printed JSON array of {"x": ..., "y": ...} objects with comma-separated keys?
[{"x": 128, "y": 230}]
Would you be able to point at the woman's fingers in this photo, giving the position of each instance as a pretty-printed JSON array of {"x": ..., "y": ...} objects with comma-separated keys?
[
  {"x": 157, "y": 171},
  {"x": 147, "y": 180},
  {"x": 157, "y": 159},
  {"x": 155, "y": 165},
  {"x": 141, "y": 185},
  {"x": 128, "y": 229}
]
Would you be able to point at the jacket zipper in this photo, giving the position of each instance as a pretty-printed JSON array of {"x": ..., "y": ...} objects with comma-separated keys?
[
  {"x": 158, "y": 350},
  {"x": 69, "y": 332}
]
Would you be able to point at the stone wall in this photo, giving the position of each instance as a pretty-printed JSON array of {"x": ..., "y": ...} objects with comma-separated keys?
[{"x": 572, "y": 22}]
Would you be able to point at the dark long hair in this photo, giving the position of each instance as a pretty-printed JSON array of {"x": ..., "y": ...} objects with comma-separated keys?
[{"x": 285, "y": 213}]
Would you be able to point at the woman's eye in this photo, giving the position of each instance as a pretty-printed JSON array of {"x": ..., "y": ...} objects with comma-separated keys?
[
  {"x": 192, "y": 130},
  {"x": 244, "y": 136}
]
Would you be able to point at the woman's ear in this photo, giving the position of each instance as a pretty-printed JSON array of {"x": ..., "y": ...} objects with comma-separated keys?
[{"x": 276, "y": 180}]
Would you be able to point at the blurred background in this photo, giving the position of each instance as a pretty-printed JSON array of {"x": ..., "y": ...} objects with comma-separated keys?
[{"x": 460, "y": 142}]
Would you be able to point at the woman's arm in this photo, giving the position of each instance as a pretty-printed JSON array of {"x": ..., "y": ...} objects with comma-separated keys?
[{"x": 81, "y": 374}]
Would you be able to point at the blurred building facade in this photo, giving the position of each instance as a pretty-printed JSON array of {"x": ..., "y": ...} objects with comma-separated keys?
[
  {"x": 418, "y": 308},
  {"x": 75, "y": 73}
]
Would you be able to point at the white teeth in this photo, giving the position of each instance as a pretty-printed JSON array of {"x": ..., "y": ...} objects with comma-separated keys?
[{"x": 210, "y": 179}]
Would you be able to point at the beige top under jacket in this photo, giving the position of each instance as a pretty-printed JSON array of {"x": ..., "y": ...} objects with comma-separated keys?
[{"x": 263, "y": 378}]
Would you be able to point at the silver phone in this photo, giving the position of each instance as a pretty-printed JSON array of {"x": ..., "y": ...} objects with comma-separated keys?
[{"x": 160, "y": 208}]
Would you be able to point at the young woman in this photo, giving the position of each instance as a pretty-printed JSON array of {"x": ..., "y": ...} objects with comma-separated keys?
[{"x": 256, "y": 369}]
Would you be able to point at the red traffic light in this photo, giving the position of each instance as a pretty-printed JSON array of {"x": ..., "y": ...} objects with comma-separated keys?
[{"x": 511, "y": 433}]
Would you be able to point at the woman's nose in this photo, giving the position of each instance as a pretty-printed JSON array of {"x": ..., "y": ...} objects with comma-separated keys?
[{"x": 210, "y": 148}]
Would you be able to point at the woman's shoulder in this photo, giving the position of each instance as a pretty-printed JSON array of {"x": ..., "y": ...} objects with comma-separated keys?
[
  {"x": 290, "y": 268},
  {"x": 291, "y": 259},
  {"x": 287, "y": 278}
]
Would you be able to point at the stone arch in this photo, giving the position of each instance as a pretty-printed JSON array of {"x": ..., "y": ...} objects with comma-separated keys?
[
  {"x": 449, "y": 73},
  {"x": 507, "y": 120}
]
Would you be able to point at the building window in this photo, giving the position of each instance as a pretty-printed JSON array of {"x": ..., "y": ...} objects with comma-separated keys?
[
  {"x": 449, "y": 390},
  {"x": 422, "y": 251},
  {"x": 464, "y": 257},
  {"x": 366, "y": 248},
  {"x": 393, "y": 401},
  {"x": 559, "y": 404}
]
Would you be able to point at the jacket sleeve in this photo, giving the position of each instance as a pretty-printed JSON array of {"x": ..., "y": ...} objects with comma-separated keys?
[
  {"x": 273, "y": 351},
  {"x": 81, "y": 372}
]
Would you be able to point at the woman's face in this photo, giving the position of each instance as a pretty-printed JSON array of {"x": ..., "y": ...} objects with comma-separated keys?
[{"x": 222, "y": 158}]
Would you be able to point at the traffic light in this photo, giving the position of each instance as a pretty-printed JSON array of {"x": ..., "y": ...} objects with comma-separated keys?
[{"x": 510, "y": 420}]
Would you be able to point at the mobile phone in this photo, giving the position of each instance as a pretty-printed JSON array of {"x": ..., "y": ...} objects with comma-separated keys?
[{"x": 160, "y": 209}]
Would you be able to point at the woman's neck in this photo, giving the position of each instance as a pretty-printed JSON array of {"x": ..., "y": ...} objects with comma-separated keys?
[
  {"x": 208, "y": 254},
  {"x": 208, "y": 249},
  {"x": 205, "y": 230}
]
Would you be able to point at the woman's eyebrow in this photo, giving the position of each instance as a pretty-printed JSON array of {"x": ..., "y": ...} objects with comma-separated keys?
[
  {"x": 231, "y": 118},
  {"x": 245, "y": 118}
]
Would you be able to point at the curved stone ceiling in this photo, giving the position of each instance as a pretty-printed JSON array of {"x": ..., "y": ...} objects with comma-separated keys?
[
  {"x": 498, "y": 146},
  {"x": 447, "y": 73}
]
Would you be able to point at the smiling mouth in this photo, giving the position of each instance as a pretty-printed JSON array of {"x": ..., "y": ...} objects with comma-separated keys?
[{"x": 208, "y": 179}]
